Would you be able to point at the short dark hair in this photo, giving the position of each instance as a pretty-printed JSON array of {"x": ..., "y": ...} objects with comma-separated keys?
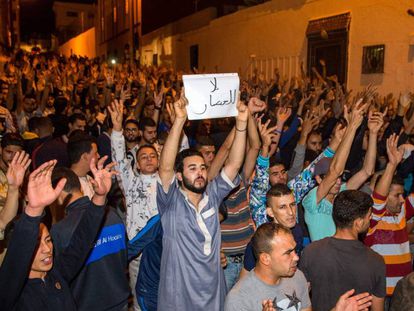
[
  {"x": 72, "y": 180},
  {"x": 79, "y": 144},
  {"x": 39, "y": 123},
  {"x": 146, "y": 122},
  {"x": 12, "y": 139},
  {"x": 278, "y": 190},
  {"x": 314, "y": 132},
  {"x": 397, "y": 180},
  {"x": 133, "y": 121},
  {"x": 275, "y": 162},
  {"x": 262, "y": 238},
  {"x": 310, "y": 155},
  {"x": 146, "y": 146},
  {"x": 203, "y": 141},
  {"x": 350, "y": 205},
  {"x": 179, "y": 161},
  {"x": 76, "y": 116}
]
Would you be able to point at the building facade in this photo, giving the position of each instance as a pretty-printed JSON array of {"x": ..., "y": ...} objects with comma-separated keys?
[
  {"x": 72, "y": 18},
  {"x": 362, "y": 41}
]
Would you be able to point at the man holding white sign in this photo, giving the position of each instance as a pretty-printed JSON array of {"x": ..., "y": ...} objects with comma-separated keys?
[
  {"x": 211, "y": 95},
  {"x": 191, "y": 274}
]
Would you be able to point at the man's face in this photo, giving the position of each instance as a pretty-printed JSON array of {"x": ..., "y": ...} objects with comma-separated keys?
[
  {"x": 93, "y": 154},
  {"x": 283, "y": 210},
  {"x": 77, "y": 125},
  {"x": 208, "y": 153},
  {"x": 29, "y": 105},
  {"x": 149, "y": 110},
  {"x": 278, "y": 174},
  {"x": 366, "y": 222},
  {"x": 8, "y": 152},
  {"x": 284, "y": 260},
  {"x": 395, "y": 199},
  {"x": 314, "y": 143},
  {"x": 337, "y": 187},
  {"x": 43, "y": 259},
  {"x": 147, "y": 161},
  {"x": 194, "y": 176},
  {"x": 149, "y": 135},
  {"x": 131, "y": 132}
]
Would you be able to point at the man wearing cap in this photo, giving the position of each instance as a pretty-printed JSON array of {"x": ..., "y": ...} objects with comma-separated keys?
[{"x": 318, "y": 202}]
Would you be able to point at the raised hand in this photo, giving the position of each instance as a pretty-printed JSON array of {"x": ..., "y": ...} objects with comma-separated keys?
[
  {"x": 180, "y": 107},
  {"x": 394, "y": 153},
  {"x": 116, "y": 110},
  {"x": 40, "y": 192},
  {"x": 357, "y": 114},
  {"x": 375, "y": 121},
  {"x": 17, "y": 169},
  {"x": 266, "y": 133},
  {"x": 102, "y": 176},
  {"x": 282, "y": 114},
  {"x": 158, "y": 98},
  {"x": 243, "y": 112},
  {"x": 405, "y": 100},
  {"x": 256, "y": 105},
  {"x": 347, "y": 302},
  {"x": 309, "y": 123}
]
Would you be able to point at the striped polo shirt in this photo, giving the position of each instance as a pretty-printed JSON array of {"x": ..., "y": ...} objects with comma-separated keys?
[
  {"x": 387, "y": 235},
  {"x": 237, "y": 229}
]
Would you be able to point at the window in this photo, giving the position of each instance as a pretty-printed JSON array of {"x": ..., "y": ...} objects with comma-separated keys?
[
  {"x": 72, "y": 14},
  {"x": 373, "y": 59}
]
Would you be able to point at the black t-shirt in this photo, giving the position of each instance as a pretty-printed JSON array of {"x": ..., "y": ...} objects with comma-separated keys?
[{"x": 334, "y": 266}]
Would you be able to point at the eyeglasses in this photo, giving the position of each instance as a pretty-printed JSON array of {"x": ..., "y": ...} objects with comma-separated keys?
[{"x": 131, "y": 129}]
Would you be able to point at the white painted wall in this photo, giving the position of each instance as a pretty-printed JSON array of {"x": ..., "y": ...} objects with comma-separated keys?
[{"x": 275, "y": 33}]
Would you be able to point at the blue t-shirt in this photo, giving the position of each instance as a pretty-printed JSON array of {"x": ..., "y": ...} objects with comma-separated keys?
[{"x": 318, "y": 217}]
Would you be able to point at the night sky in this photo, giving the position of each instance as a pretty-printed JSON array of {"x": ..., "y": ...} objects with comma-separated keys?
[{"x": 37, "y": 16}]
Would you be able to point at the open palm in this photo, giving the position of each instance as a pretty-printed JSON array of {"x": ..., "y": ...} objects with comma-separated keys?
[
  {"x": 17, "y": 169},
  {"x": 40, "y": 192},
  {"x": 102, "y": 176}
]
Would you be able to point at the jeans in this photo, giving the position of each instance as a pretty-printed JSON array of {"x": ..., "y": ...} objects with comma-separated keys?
[{"x": 231, "y": 272}]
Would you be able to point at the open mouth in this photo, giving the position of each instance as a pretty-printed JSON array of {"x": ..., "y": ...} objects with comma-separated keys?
[{"x": 48, "y": 260}]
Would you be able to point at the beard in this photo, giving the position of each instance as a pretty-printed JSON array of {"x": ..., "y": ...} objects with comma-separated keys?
[
  {"x": 131, "y": 139},
  {"x": 188, "y": 185}
]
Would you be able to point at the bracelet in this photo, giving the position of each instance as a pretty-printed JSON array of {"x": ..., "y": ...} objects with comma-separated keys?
[{"x": 241, "y": 130}]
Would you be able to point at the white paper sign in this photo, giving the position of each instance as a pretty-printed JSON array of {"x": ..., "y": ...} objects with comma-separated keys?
[{"x": 211, "y": 95}]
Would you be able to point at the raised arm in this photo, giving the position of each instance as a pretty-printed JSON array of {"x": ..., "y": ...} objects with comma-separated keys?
[
  {"x": 238, "y": 149},
  {"x": 260, "y": 183},
  {"x": 375, "y": 122},
  {"x": 339, "y": 160},
  {"x": 308, "y": 124},
  {"x": 395, "y": 155},
  {"x": 15, "y": 176},
  {"x": 118, "y": 143},
  {"x": 221, "y": 156},
  {"x": 170, "y": 149},
  {"x": 255, "y": 105},
  {"x": 72, "y": 258}
]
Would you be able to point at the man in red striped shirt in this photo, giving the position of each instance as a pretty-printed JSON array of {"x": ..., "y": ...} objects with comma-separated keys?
[{"x": 387, "y": 234}]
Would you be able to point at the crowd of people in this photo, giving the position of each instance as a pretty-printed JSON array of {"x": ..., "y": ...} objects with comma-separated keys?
[{"x": 111, "y": 199}]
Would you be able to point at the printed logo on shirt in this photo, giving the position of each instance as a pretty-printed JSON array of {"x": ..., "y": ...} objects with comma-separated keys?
[
  {"x": 290, "y": 303},
  {"x": 111, "y": 240}
]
